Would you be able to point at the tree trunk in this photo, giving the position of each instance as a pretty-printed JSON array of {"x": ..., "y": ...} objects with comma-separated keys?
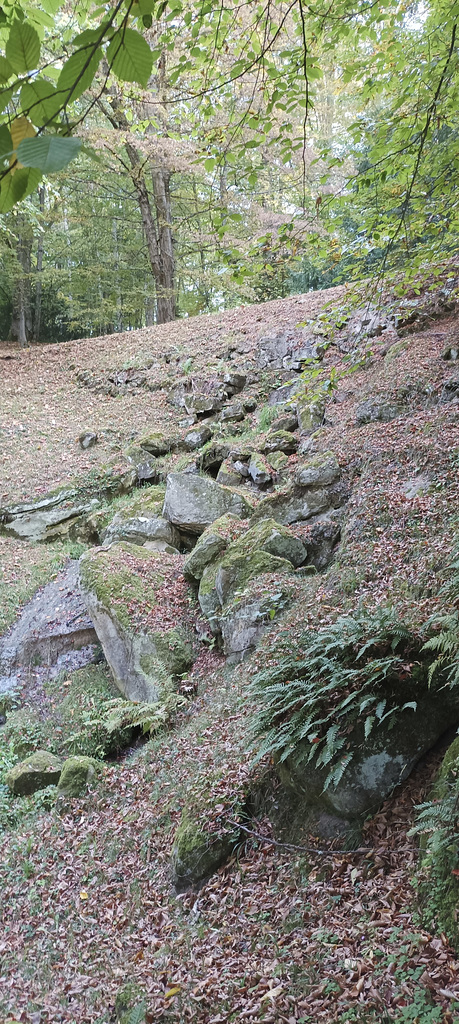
[
  {"x": 21, "y": 321},
  {"x": 38, "y": 280}
]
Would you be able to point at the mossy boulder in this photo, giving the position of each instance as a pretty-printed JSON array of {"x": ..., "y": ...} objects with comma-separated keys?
[
  {"x": 136, "y": 602},
  {"x": 197, "y": 851},
  {"x": 310, "y": 413},
  {"x": 244, "y": 619},
  {"x": 321, "y": 471},
  {"x": 292, "y": 505},
  {"x": 280, "y": 441},
  {"x": 194, "y": 502},
  {"x": 38, "y": 771},
  {"x": 259, "y": 470},
  {"x": 158, "y": 443},
  {"x": 221, "y": 580},
  {"x": 78, "y": 772}
]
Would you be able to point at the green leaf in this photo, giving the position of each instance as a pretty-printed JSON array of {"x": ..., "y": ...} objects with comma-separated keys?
[
  {"x": 49, "y": 153},
  {"x": 40, "y": 100},
  {"x": 6, "y": 142},
  {"x": 51, "y": 6},
  {"x": 22, "y": 47},
  {"x": 17, "y": 186},
  {"x": 77, "y": 74},
  {"x": 130, "y": 57},
  {"x": 5, "y": 70}
]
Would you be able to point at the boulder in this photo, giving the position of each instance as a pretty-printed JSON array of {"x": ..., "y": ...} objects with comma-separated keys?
[
  {"x": 202, "y": 842},
  {"x": 259, "y": 471},
  {"x": 287, "y": 421},
  {"x": 194, "y": 502},
  {"x": 38, "y": 771},
  {"x": 278, "y": 461},
  {"x": 450, "y": 390},
  {"x": 139, "y": 610},
  {"x": 268, "y": 535},
  {"x": 373, "y": 409},
  {"x": 321, "y": 471},
  {"x": 146, "y": 465},
  {"x": 279, "y": 441},
  {"x": 231, "y": 573},
  {"x": 321, "y": 540},
  {"x": 53, "y": 622},
  {"x": 140, "y": 529},
  {"x": 232, "y": 413},
  {"x": 48, "y": 519},
  {"x": 158, "y": 444},
  {"x": 209, "y": 546},
  {"x": 202, "y": 405},
  {"x": 235, "y": 379},
  {"x": 78, "y": 772},
  {"x": 87, "y": 440},
  {"x": 244, "y": 619},
  {"x": 249, "y": 404},
  {"x": 310, "y": 413},
  {"x": 228, "y": 475},
  {"x": 195, "y": 439},
  {"x": 287, "y": 506}
]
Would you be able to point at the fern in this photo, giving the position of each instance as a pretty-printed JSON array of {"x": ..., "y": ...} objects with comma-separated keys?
[
  {"x": 137, "y": 1014},
  {"x": 352, "y": 672},
  {"x": 445, "y": 643},
  {"x": 122, "y": 714}
]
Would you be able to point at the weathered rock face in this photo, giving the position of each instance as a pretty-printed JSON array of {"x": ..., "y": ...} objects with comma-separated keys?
[
  {"x": 244, "y": 619},
  {"x": 125, "y": 589},
  {"x": 78, "y": 772},
  {"x": 379, "y": 763},
  {"x": 292, "y": 506},
  {"x": 374, "y": 409},
  {"x": 264, "y": 549},
  {"x": 141, "y": 529},
  {"x": 310, "y": 414},
  {"x": 38, "y": 771},
  {"x": 197, "y": 438},
  {"x": 53, "y": 622},
  {"x": 194, "y": 502}
]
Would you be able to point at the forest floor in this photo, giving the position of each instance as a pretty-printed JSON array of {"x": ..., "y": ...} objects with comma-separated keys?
[{"x": 280, "y": 934}]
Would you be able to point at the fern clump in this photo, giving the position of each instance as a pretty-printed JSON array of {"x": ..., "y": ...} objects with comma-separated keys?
[
  {"x": 445, "y": 643},
  {"x": 150, "y": 718},
  {"x": 357, "y": 671}
]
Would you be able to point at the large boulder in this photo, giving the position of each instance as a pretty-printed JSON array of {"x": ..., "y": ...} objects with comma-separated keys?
[
  {"x": 38, "y": 771},
  {"x": 290, "y": 505},
  {"x": 142, "y": 529},
  {"x": 265, "y": 549},
  {"x": 320, "y": 471},
  {"x": 194, "y": 502},
  {"x": 138, "y": 603}
]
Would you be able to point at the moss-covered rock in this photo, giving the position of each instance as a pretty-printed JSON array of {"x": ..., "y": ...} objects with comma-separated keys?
[
  {"x": 280, "y": 441},
  {"x": 197, "y": 851},
  {"x": 78, "y": 772},
  {"x": 125, "y": 589},
  {"x": 221, "y": 580},
  {"x": 158, "y": 443},
  {"x": 310, "y": 413},
  {"x": 194, "y": 502},
  {"x": 321, "y": 471},
  {"x": 38, "y": 771}
]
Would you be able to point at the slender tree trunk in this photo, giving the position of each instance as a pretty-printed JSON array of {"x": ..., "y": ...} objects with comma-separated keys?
[
  {"x": 38, "y": 280},
  {"x": 21, "y": 321}
]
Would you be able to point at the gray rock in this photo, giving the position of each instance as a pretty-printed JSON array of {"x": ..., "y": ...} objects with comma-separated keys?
[
  {"x": 159, "y": 444},
  {"x": 208, "y": 548},
  {"x": 310, "y": 414},
  {"x": 451, "y": 353},
  {"x": 222, "y": 579},
  {"x": 228, "y": 475},
  {"x": 48, "y": 519},
  {"x": 197, "y": 438},
  {"x": 38, "y": 771},
  {"x": 202, "y": 405},
  {"x": 121, "y": 587},
  {"x": 194, "y": 502},
  {"x": 288, "y": 421},
  {"x": 232, "y": 413},
  {"x": 244, "y": 620},
  {"x": 53, "y": 622},
  {"x": 373, "y": 410},
  {"x": 323, "y": 536},
  {"x": 280, "y": 441},
  {"x": 450, "y": 390},
  {"x": 320, "y": 471},
  {"x": 145, "y": 465},
  {"x": 288, "y": 506},
  {"x": 249, "y": 404},
  {"x": 235, "y": 379},
  {"x": 87, "y": 440},
  {"x": 259, "y": 470},
  {"x": 139, "y": 529},
  {"x": 278, "y": 461}
]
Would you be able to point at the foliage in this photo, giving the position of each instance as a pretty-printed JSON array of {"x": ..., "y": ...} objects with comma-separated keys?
[
  {"x": 445, "y": 644},
  {"x": 150, "y": 718},
  {"x": 355, "y": 671}
]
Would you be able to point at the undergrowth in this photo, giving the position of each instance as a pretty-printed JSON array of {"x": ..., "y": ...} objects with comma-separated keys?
[{"x": 359, "y": 670}]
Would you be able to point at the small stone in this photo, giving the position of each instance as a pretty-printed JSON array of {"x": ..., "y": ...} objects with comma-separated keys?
[
  {"x": 451, "y": 353},
  {"x": 241, "y": 468},
  {"x": 228, "y": 475},
  {"x": 249, "y": 404},
  {"x": 87, "y": 440}
]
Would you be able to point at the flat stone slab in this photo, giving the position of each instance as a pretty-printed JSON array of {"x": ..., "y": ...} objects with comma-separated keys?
[{"x": 53, "y": 622}]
